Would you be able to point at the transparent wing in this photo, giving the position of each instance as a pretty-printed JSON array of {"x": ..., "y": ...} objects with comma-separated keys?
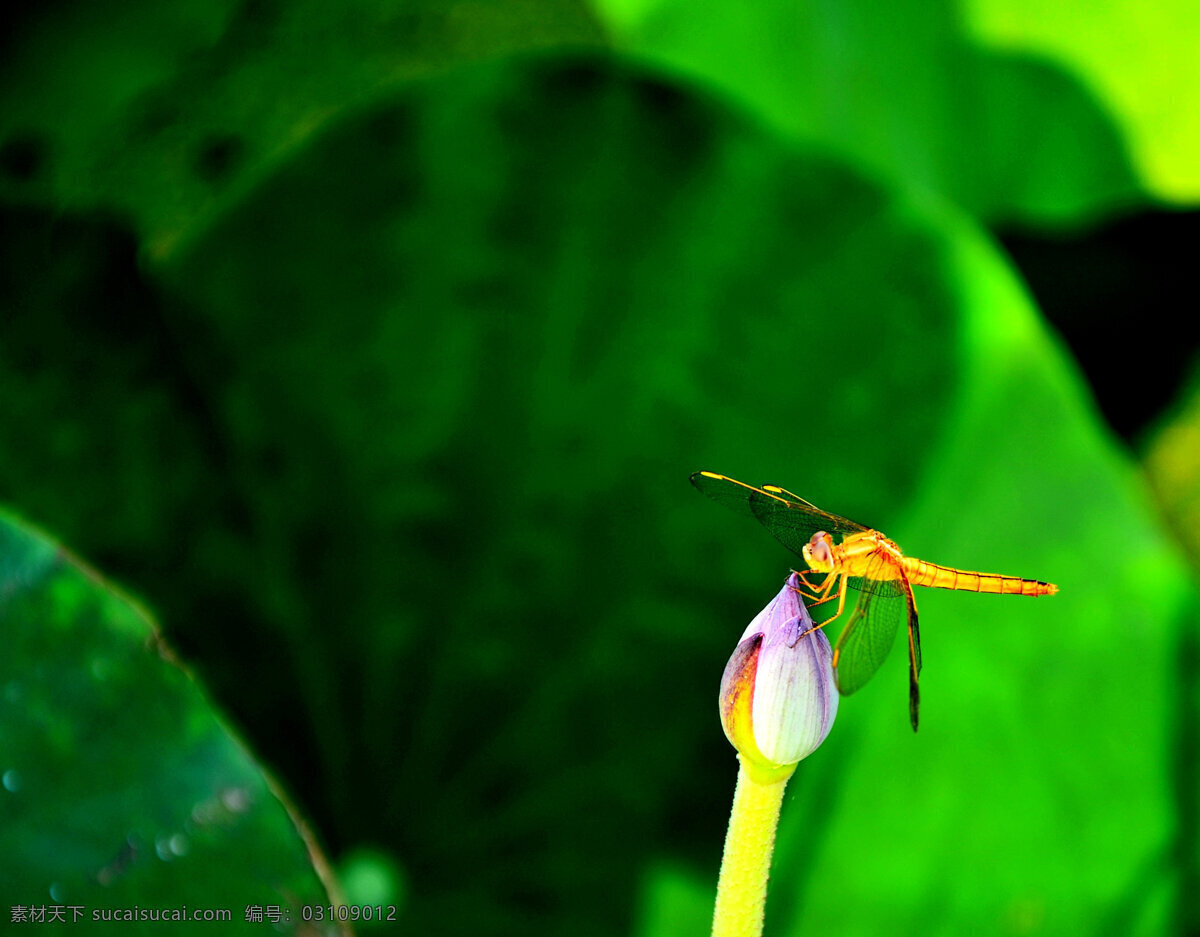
[
  {"x": 914, "y": 658},
  {"x": 790, "y": 519},
  {"x": 866, "y": 639}
]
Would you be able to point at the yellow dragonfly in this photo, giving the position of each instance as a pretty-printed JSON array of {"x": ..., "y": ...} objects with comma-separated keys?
[{"x": 867, "y": 562}]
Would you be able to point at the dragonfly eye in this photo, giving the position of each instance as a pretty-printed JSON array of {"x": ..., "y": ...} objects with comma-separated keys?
[{"x": 818, "y": 552}]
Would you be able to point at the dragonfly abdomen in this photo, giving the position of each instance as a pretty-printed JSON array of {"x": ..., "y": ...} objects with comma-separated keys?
[{"x": 921, "y": 573}]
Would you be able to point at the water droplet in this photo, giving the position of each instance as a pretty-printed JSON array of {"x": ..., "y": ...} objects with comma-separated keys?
[
  {"x": 11, "y": 780},
  {"x": 56, "y": 891},
  {"x": 180, "y": 844},
  {"x": 235, "y": 799},
  {"x": 162, "y": 846}
]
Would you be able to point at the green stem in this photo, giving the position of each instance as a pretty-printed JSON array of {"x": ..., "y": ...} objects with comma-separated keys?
[{"x": 742, "y": 886}]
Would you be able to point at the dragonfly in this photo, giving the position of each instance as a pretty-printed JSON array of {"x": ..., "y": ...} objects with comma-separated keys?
[{"x": 862, "y": 561}]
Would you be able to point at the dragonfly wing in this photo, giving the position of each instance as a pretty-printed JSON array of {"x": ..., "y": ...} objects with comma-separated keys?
[
  {"x": 914, "y": 701},
  {"x": 791, "y": 522},
  {"x": 867, "y": 638},
  {"x": 914, "y": 658}
]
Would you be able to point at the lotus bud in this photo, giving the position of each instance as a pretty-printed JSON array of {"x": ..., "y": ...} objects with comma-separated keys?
[{"x": 778, "y": 696}]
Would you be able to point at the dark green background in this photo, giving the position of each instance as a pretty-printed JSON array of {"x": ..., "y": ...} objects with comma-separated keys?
[{"x": 371, "y": 347}]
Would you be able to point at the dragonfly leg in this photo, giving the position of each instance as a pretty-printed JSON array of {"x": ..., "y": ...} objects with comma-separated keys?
[
  {"x": 831, "y": 580},
  {"x": 817, "y": 594},
  {"x": 812, "y": 594},
  {"x": 827, "y": 595}
]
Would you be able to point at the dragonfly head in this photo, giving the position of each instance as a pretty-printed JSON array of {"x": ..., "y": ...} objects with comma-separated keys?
[{"x": 818, "y": 552}]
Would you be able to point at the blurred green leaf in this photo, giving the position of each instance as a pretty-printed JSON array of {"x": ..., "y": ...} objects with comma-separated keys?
[
  {"x": 122, "y": 791},
  {"x": 1138, "y": 59},
  {"x": 903, "y": 92},
  {"x": 170, "y": 113}
]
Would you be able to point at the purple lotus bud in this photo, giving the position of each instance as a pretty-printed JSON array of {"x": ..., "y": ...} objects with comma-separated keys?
[{"x": 778, "y": 698}]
